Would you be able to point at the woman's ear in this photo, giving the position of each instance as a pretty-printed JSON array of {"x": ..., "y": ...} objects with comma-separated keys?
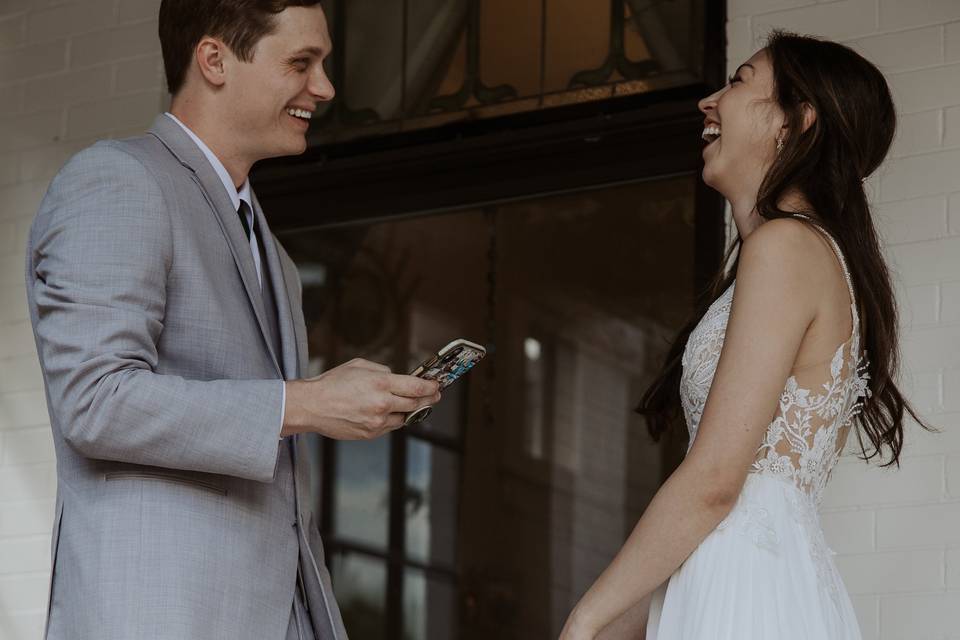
[
  {"x": 809, "y": 115},
  {"x": 809, "y": 118}
]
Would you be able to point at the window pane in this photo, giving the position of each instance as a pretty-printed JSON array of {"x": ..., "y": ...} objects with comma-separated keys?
[
  {"x": 578, "y": 38},
  {"x": 511, "y": 44},
  {"x": 429, "y": 607},
  {"x": 362, "y": 491},
  {"x": 360, "y": 586},
  {"x": 590, "y": 287},
  {"x": 448, "y": 417},
  {"x": 436, "y": 50},
  {"x": 374, "y": 56},
  {"x": 433, "y": 481}
]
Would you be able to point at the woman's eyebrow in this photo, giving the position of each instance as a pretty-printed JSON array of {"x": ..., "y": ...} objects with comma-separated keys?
[{"x": 745, "y": 64}]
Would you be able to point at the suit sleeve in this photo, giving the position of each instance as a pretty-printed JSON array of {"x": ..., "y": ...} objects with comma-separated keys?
[{"x": 100, "y": 250}]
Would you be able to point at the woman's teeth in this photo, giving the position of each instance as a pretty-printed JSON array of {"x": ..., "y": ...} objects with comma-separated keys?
[
  {"x": 300, "y": 113},
  {"x": 710, "y": 133}
]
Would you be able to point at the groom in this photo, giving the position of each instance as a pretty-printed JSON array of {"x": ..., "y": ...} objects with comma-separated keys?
[{"x": 170, "y": 333}]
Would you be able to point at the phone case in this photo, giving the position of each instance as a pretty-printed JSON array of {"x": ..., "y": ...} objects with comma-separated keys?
[{"x": 451, "y": 362}]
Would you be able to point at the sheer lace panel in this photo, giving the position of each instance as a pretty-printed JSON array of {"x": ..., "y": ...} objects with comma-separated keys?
[{"x": 817, "y": 407}]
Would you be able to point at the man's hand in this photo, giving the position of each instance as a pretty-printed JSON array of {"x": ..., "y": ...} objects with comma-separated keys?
[{"x": 359, "y": 400}]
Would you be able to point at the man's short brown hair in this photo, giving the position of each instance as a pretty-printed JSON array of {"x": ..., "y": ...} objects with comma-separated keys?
[{"x": 239, "y": 23}]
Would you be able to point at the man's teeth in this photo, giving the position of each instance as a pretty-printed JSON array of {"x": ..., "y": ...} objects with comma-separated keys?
[
  {"x": 300, "y": 113},
  {"x": 710, "y": 133}
]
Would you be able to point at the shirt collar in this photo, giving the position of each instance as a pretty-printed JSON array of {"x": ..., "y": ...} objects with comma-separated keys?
[{"x": 235, "y": 196}]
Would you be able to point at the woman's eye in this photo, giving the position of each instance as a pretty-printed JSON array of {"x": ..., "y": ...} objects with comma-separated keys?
[{"x": 733, "y": 79}]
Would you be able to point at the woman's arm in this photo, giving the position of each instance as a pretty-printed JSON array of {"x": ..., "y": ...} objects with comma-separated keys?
[
  {"x": 774, "y": 302},
  {"x": 632, "y": 625}
]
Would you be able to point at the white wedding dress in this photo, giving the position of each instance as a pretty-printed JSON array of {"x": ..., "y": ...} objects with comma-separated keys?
[{"x": 766, "y": 570}]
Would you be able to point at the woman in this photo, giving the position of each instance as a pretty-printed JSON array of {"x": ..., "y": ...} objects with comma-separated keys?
[{"x": 773, "y": 374}]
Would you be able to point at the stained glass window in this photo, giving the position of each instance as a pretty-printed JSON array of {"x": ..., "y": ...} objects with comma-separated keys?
[{"x": 401, "y": 65}]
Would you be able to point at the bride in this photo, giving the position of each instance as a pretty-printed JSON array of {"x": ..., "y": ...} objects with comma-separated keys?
[{"x": 774, "y": 373}]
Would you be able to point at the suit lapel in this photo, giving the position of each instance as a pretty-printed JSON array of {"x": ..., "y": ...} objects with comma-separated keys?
[
  {"x": 190, "y": 156},
  {"x": 283, "y": 293}
]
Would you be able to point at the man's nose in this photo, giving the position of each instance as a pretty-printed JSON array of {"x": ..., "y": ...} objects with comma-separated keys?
[{"x": 321, "y": 87}]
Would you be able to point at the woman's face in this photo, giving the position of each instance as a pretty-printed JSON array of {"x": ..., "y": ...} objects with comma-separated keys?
[{"x": 742, "y": 124}]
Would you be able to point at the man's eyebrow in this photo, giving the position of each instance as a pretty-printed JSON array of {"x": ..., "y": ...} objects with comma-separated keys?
[{"x": 314, "y": 51}]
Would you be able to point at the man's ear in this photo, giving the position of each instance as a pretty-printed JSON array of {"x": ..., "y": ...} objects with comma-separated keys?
[{"x": 211, "y": 54}]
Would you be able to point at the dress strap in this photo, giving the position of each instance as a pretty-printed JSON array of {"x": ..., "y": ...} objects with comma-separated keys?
[{"x": 843, "y": 264}]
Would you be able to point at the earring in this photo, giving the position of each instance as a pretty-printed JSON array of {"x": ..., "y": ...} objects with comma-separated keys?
[{"x": 779, "y": 145}]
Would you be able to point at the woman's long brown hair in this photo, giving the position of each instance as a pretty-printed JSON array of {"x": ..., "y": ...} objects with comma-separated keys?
[{"x": 827, "y": 163}]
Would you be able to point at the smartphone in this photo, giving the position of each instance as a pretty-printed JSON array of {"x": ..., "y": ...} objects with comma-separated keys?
[{"x": 448, "y": 365}]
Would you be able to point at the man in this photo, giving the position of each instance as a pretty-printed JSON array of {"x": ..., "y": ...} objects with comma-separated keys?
[{"x": 167, "y": 319}]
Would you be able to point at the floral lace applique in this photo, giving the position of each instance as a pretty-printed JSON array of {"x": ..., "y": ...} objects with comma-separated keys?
[
  {"x": 700, "y": 358},
  {"x": 802, "y": 441},
  {"x": 755, "y": 522}
]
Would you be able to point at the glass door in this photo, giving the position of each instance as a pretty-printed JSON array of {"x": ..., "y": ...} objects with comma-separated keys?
[{"x": 490, "y": 519}]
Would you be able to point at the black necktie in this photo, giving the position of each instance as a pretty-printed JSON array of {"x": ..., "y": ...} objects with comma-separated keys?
[{"x": 242, "y": 212}]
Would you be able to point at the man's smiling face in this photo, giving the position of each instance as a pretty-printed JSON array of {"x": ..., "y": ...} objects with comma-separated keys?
[{"x": 273, "y": 96}]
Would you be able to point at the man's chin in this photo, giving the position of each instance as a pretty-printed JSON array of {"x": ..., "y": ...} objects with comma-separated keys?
[
  {"x": 291, "y": 148},
  {"x": 297, "y": 145}
]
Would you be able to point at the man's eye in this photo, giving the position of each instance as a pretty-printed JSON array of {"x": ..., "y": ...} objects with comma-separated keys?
[{"x": 301, "y": 64}]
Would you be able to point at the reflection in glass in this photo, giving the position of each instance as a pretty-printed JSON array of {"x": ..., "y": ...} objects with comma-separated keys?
[
  {"x": 549, "y": 466},
  {"x": 429, "y": 607},
  {"x": 433, "y": 480},
  {"x": 361, "y": 491},
  {"x": 535, "y": 382},
  {"x": 448, "y": 417},
  {"x": 360, "y": 586}
]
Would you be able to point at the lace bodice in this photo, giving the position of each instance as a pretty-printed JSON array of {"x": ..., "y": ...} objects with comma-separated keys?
[{"x": 804, "y": 441}]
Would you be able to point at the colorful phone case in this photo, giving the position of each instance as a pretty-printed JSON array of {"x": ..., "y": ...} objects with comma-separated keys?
[{"x": 451, "y": 362}]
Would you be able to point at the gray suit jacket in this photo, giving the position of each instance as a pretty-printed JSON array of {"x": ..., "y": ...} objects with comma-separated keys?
[{"x": 179, "y": 514}]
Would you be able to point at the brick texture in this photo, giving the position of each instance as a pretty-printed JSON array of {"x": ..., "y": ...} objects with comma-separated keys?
[
  {"x": 70, "y": 71},
  {"x": 897, "y": 532}
]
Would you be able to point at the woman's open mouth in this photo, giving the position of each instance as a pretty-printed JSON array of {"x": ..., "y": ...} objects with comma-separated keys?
[{"x": 710, "y": 134}]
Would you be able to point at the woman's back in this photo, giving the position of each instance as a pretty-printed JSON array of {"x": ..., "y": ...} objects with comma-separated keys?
[
  {"x": 818, "y": 403},
  {"x": 770, "y": 549}
]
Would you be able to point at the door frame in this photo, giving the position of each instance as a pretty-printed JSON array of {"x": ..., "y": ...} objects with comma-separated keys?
[{"x": 470, "y": 164}]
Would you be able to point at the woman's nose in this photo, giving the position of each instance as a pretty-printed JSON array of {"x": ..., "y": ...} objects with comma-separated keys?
[{"x": 708, "y": 104}]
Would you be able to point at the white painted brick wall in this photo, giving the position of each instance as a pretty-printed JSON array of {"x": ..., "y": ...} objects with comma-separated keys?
[
  {"x": 897, "y": 533},
  {"x": 71, "y": 71}
]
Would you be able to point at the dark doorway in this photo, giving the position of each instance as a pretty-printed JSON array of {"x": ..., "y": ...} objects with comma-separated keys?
[{"x": 572, "y": 236}]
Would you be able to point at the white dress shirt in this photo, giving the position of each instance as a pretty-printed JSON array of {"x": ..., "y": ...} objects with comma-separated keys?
[{"x": 235, "y": 197}]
